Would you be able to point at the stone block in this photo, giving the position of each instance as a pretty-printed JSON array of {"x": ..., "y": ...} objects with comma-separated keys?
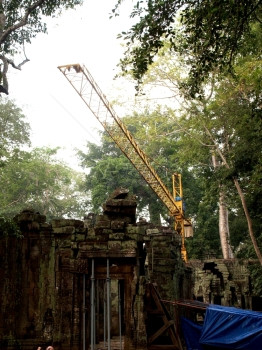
[
  {"x": 45, "y": 226},
  {"x": 100, "y": 246},
  {"x": 117, "y": 225},
  {"x": 106, "y": 231},
  {"x": 132, "y": 236},
  {"x": 120, "y": 203},
  {"x": 114, "y": 245},
  {"x": 68, "y": 230},
  {"x": 80, "y": 237},
  {"x": 164, "y": 239},
  {"x": 103, "y": 224},
  {"x": 117, "y": 236},
  {"x": 81, "y": 229},
  {"x": 160, "y": 252},
  {"x": 101, "y": 217},
  {"x": 91, "y": 232},
  {"x": 64, "y": 243},
  {"x": 74, "y": 245},
  {"x": 67, "y": 222},
  {"x": 59, "y": 223},
  {"x": 132, "y": 229},
  {"x": 152, "y": 231},
  {"x": 29, "y": 215},
  {"x": 166, "y": 263},
  {"x": 129, "y": 245},
  {"x": 78, "y": 224},
  {"x": 142, "y": 230},
  {"x": 40, "y": 218},
  {"x": 84, "y": 246}
]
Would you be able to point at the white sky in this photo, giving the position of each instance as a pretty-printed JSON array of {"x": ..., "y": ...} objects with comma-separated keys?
[{"x": 57, "y": 115}]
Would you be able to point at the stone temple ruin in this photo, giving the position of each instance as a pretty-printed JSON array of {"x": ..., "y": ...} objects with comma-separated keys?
[{"x": 103, "y": 282}]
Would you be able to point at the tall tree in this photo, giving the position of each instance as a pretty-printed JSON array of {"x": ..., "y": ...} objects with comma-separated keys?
[
  {"x": 229, "y": 125},
  {"x": 38, "y": 180},
  {"x": 223, "y": 218},
  {"x": 20, "y": 21}
]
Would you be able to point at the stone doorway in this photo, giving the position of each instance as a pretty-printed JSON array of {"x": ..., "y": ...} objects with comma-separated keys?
[{"x": 107, "y": 290}]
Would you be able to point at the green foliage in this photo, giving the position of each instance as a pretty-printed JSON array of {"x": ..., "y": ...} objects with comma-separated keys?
[
  {"x": 256, "y": 278},
  {"x": 237, "y": 109},
  {"x": 34, "y": 178},
  {"x": 8, "y": 228},
  {"x": 246, "y": 251},
  {"x": 14, "y": 130},
  {"x": 209, "y": 35},
  {"x": 225, "y": 124},
  {"x": 38, "y": 180}
]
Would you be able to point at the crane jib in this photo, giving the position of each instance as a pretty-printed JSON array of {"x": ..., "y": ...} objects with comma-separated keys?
[{"x": 85, "y": 85}]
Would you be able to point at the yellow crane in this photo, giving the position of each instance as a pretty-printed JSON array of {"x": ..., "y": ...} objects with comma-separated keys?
[{"x": 85, "y": 85}]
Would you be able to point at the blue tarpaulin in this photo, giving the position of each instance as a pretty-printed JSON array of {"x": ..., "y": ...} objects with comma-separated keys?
[
  {"x": 232, "y": 328},
  {"x": 192, "y": 333},
  {"x": 224, "y": 328}
]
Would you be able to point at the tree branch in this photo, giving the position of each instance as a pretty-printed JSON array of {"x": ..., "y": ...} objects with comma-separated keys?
[
  {"x": 14, "y": 65},
  {"x": 23, "y": 20},
  {"x": 4, "y": 86},
  {"x": 2, "y": 17}
]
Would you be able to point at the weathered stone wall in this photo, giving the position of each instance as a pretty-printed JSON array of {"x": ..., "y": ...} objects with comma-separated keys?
[
  {"x": 223, "y": 282},
  {"x": 42, "y": 275},
  {"x": 164, "y": 264},
  {"x": 46, "y": 277},
  {"x": 27, "y": 283}
]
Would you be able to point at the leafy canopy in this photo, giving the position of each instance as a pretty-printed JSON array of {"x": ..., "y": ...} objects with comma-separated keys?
[
  {"x": 209, "y": 34},
  {"x": 39, "y": 181}
]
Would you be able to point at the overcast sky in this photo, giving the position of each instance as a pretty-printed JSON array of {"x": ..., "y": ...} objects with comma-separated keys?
[{"x": 57, "y": 115}]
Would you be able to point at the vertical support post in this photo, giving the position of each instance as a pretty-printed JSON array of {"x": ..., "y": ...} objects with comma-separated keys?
[
  {"x": 97, "y": 310},
  {"x": 93, "y": 306},
  {"x": 119, "y": 314},
  {"x": 108, "y": 307},
  {"x": 84, "y": 311},
  {"x": 105, "y": 314},
  {"x": 152, "y": 258}
]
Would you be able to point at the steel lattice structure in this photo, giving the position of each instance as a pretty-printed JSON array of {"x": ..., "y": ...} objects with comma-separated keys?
[{"x": 85, "y": 85}]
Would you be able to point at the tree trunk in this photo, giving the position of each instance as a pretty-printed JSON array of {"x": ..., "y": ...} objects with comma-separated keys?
[
  {"x": 249, "y": 221},
  {"x": 154, "y": 215},
  {"x": 242, "y": 198},
  {"x": 224, "y": 228},
  {"x": 223, "y": 220}
]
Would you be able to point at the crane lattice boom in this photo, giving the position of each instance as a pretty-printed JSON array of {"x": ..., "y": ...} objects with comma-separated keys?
[{"x": 85, "y": 85}]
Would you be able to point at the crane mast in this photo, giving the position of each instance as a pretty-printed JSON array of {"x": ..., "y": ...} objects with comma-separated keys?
[{"x": 85, "y": 85}]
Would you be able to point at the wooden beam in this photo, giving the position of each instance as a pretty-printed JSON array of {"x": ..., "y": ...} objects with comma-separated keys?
[{"x": 160, "y": 331}]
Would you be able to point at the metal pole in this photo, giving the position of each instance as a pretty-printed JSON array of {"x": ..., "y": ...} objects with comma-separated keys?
[
  {"x": 108, "y": 307},
  {"x": 104, "y": 315},
  {"x": 97, "y": 309},
  {"x": 119, "y": 314},
  {"x": 92, "y": 306},
  {"x": 84, "y": 311}
]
